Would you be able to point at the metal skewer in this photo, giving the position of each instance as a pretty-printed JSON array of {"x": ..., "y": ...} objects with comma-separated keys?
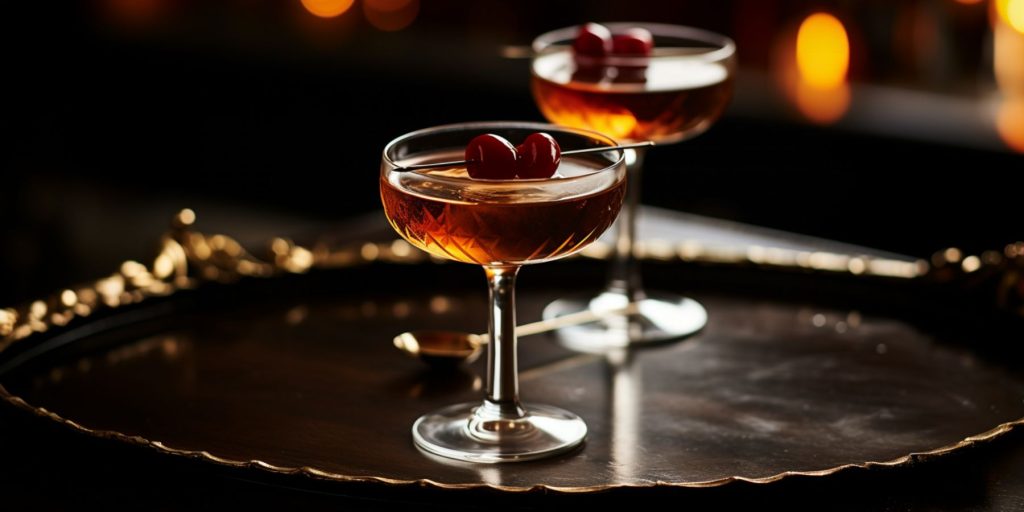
[
  {"x": 455, "y": 163},
  {"x": 527, "y": 52}
]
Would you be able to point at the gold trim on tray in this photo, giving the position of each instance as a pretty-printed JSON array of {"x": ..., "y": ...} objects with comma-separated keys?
[{"x": 188, "y": 258}]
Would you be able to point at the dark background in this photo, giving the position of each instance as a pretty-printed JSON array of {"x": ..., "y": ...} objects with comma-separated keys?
[{"x": 271, "y": 120}]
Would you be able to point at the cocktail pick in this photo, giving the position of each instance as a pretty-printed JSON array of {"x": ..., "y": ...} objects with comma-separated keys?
[{"x": 456, "y": 163}]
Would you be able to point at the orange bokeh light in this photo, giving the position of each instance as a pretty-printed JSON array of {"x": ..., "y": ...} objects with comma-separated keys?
[
  {"x": 823, "y": 51},
  {"x": 1010, "y": 123},
  {"x": 327, "y": 8},
  {"x": 811, "y": 61},
  {"x": 1015, "y": 14},
  {"x": 1010, "y": 12},
  {"x": 1008, "y": 59},
  {"x": 822, "y": 105}
]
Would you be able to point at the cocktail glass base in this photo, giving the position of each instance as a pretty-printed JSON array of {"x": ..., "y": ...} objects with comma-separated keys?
[
  {"x": 466, "y": 432},
  {"x": 658, "y": 318}
]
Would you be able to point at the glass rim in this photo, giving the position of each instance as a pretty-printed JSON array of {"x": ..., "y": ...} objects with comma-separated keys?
[
  {"x": 499, "y": 125},
  {"x": 726, "y": 47}
]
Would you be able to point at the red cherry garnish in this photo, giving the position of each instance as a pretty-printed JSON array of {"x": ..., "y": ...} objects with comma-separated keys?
[
  {"x": 634, "y": 41},
  {"x": 593, "y": 41},
  {"x": 490, "y": 157},
  {"x": 539, "y": 156},
  {"x": 589, "y": 73}
]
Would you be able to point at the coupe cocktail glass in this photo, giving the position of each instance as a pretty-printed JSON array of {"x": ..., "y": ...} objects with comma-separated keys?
[
  {"x": 673, "y": 94},
  {"x": 500, "y": 225}
]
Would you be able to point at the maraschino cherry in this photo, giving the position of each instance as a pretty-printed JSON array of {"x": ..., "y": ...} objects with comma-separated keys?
[
  {"x": 634, "y": 42},
  {"x": 539, "y": 156},
  {"x": 593, "y": 40},
  {"x": 594, "y": 43},
  {"x": 492, "y": 157}
]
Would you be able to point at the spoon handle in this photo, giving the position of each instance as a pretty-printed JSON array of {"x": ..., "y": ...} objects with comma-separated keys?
[{"x": 581, "y": 317}]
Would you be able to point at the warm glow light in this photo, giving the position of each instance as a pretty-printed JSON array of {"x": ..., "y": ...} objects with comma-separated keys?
[
  {"x": 617, "y": 124},
  {"x": 969, "y": 2},
  {"x": 1010, "y": 12},
  {"x": 820, "y": 105},
  {"x": 1010, "y": 123},
  {"x": 327, "y": 8},
  {"x": 811, "y": 63},
  {"x": 1008, "y": 65},
  {"x": 391, "y": 15},
  {"x": 823, "y": 51},
  {"x": 1008, "y": 59},
  {"x": 1015, "y": 14}
]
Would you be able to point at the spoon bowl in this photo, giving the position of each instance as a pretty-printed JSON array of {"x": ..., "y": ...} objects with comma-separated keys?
[
  {"x": 451, "y": 348},
  {"x": 441, "y": 348}
]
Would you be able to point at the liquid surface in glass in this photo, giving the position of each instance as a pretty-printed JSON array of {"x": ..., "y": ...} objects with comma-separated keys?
[
  {"x": 501, "y": 222},
  {"x": 671, "y": 99}
]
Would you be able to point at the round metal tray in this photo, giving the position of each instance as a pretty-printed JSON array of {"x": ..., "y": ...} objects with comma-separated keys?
[{"x": 257, "y": 368}]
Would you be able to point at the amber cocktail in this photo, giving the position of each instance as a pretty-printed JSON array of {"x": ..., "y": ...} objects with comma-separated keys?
[
  {"x": 665, "y": 84},
  {"x": 500, "y": 225},
  {"x": 671, "y": 98}
]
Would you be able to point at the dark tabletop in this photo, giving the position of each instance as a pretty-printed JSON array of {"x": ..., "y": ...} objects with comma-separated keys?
[{"x": 50, "y": 467}]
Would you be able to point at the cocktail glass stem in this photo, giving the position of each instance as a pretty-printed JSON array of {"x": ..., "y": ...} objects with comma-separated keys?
[
  {"x": 502, "y": 400},
  {"x": 500, "y": 429},
  {"x": 625, "y": 276},
  {"x": 658, "y": 316}
]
